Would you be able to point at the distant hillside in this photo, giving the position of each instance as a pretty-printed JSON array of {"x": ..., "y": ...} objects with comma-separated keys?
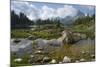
[
  {"x": 69, "y": 19},
  {"x": 85, "y": 25}
]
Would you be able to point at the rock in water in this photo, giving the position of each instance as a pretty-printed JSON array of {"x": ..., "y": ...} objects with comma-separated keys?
[{"x": 66, "y": 59}]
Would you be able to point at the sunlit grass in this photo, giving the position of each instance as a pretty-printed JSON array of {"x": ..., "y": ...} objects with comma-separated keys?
[{"x": 74, "y": 52}]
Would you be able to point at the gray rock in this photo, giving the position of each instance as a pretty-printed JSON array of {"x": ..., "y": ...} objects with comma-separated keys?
[{"x": 21, "y": 47}]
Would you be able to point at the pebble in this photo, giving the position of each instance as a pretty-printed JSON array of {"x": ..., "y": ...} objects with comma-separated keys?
[
  {"x": 53, "y": 61},
  {"x": 92, "y": 55},
  {"x": 83, "y": 52},
  {"x": 60, "y": 62},
  {"x": 38, "y": 52},
  {"x": 77, "y": 61},
  {"x": 82, "y": 60},
  {"x": 31, "y": 56},
  {"x": 18, "y": 60},
  {"x": 66, "y": 59}
]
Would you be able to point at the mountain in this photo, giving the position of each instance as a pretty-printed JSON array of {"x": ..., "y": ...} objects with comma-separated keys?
[{"x": 69, "y": 19}]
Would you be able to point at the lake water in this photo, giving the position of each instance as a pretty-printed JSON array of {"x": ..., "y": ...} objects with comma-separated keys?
[{"x": 86, "y": 42}]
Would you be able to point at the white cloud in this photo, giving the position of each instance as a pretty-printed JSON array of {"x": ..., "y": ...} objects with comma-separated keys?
[
  {"x": 25, "y": 7},
  {"x": 43, "y": 13},
  {"x": 66, "y": 11},
  {"x": 46, "y": 12}
]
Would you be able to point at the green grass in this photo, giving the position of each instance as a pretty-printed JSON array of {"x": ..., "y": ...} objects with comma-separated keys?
[
  {"x": 72, "y": 51},
  {"x": 16, "y": 33},
  {"x": 89, "y": 30},
  {"x": 24, "y": 61},
  {"x": 19, "y": 34}
]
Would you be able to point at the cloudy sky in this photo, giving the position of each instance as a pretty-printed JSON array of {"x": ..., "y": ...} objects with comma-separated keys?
[{"x": 37, "y": 10}]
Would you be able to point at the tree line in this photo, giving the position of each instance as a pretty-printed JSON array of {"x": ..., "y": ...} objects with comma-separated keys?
[
  {"x": 86, "y": 20},
  {"x": 22, "y": 21}
]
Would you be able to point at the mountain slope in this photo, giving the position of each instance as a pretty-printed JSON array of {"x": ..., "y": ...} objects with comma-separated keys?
[{"x": 69, "y": 19}]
